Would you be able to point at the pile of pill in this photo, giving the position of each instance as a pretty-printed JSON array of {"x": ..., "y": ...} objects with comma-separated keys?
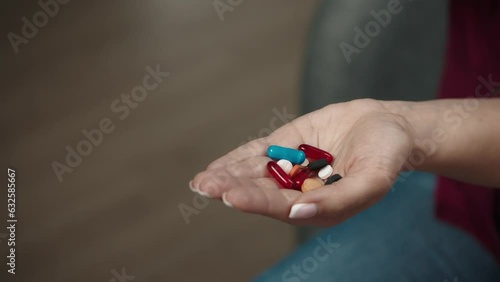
[{"x": 304, "y": 169}]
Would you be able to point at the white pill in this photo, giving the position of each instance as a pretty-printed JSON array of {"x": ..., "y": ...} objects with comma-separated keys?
[
  {"x": 325, "y": 172},
  {"x": 305, "y": 163},
  {"x": 286, "y": 165}
]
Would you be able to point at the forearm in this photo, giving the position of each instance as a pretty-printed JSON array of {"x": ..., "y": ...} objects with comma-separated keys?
[{"x": 457, "y": 138}]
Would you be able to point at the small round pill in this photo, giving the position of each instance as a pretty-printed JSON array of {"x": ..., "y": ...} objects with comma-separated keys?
[
  {"x": 325, "y": 172},
  {"x": 311, "y": 184},
  {"x": 286, "y": 165}
]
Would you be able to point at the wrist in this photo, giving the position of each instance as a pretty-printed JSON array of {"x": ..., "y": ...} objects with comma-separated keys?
[{"x": 422, "y": 123}]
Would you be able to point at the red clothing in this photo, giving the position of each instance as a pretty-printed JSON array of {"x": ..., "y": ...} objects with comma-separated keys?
[{"x": 472, "y": 59}]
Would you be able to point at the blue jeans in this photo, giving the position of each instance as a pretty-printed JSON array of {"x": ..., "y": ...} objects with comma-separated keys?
[{"x": 398, "y": 239}]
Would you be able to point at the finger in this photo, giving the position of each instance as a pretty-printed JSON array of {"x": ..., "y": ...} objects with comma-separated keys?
[
  {"x": 251, "y": 149},
  {"x": 341, "y": 199},
  {"x": 254, "y": 167},
  {"x": 286, "y": 136},
  {"x": 214, "y": 183},
  {"x": 250, "y": 168},
  {"x": 275, "y": 203}
]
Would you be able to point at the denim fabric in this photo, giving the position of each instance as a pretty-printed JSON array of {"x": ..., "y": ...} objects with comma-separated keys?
[{"x": 398, "y": 239}]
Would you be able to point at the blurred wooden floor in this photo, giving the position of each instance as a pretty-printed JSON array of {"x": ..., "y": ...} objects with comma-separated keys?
[{"x": 119, "y": 207}]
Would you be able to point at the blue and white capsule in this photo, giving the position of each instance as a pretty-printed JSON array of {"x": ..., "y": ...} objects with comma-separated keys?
[{"x": 283, "y": 153}]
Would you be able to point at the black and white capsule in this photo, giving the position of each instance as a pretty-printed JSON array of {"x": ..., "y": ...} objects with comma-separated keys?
[
  {"x": 319, "y": 164},
  {"x": 332, "y": 179}
]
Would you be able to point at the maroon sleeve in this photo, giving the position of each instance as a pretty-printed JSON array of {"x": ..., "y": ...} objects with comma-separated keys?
[{"x": 472, "y": 69}]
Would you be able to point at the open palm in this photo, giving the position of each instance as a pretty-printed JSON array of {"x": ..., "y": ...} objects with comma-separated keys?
[{"x": 370, "y": 144}]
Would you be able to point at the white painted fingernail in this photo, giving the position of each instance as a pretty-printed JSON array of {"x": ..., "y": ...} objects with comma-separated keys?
[
  {"x": 191, "y": 186},
  {"x": 204, "y": 194},
  {"x": 225, "y": 201},
  {"x": 303, "y": 211}
]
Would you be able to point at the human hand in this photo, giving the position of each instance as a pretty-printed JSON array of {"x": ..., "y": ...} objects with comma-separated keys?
[{"x": 370, "y": 144}]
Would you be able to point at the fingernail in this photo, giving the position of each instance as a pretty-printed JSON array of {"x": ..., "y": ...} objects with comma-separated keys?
[
  {"x": 204, "y": 194},
  {"x": 302, "y": 211},
  {"x": 208, "y": 190},
  {"x": 225, "y": 201},
  {"x": 191, "y": 186}
]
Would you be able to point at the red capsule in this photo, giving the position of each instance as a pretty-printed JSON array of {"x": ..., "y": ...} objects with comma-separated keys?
[
  {"x": 313, "y": 153},
  {"x": 301, "y": 176},
  {"x": 280, "y": 175}
]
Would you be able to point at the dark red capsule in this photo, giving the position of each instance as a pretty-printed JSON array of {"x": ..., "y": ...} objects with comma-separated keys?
[
  {"x": 301, "y": 176},
  {"x": 313, "y": 153},
  {"x": 280, "y": 175}
]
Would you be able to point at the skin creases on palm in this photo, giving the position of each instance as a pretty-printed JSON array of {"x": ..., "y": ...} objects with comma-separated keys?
[{"x": 369, "y": 145}]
